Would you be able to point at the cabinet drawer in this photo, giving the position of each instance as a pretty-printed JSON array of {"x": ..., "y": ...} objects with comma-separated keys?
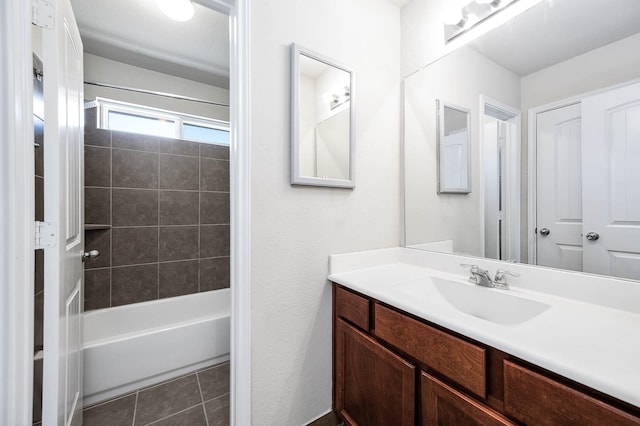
[
  {"x": 352, "y": 307},
  {"x": 535, "y": 399},
  {"x": 444, "y": 405},
  {"x": 457, "y": 359}
]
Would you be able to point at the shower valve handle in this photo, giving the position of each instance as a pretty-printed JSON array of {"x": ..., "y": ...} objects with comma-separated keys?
[{"x": 91, "y": 255}]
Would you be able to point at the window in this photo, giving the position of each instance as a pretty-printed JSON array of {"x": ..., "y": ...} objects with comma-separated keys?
[{"x": 114, "y": 115}]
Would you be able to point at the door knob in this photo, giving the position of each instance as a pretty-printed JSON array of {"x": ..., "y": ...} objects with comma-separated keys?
[
  {"x": 91, "y": 255},
  {"x": 544, "y": 232},
  {"x": 592, "y": 236}
]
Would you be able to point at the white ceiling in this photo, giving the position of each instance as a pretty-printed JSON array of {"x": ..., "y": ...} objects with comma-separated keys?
[
  {"x": 399, "y": 3},
  {"x": 556, "y": 30},
  {"x": 136, "y": 32}
]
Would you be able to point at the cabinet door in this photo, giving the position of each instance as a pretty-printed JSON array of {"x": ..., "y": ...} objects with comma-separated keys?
[
  {"x": 442, "y": 405},
  {"x": 374, "y": 386}
]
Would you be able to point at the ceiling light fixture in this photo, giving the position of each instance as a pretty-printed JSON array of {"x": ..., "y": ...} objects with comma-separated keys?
[{"x": 178, "y": 10}]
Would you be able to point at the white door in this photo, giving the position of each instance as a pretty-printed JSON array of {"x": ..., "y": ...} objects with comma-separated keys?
[
  {"x": 453, "y": 160},
  {"x": 559, "y": 188},
  {"x": 611, "y": 176},
  {"x": 63, "y": 162}
]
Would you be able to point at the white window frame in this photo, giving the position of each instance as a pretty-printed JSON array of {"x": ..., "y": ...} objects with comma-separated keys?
[{"x": 105, "y": 106}]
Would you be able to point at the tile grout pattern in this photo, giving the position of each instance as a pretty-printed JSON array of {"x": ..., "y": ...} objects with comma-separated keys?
[
  {"x": 200, "y": 398},
  {"x": 166, "y": 202}
]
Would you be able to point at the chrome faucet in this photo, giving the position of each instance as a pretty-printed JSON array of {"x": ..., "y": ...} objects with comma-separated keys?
[
  {"x": 481, "y": 277},
  {"x": 478, "y": 276}
]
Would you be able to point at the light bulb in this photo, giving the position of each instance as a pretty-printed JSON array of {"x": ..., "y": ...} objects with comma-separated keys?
[
  {"x": 453, "y": 15},
  {"x": 470, "y": 20},
  {"x": 178, "y": 10}
]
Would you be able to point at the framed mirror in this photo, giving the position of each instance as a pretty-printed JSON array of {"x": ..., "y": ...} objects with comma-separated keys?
[
  {"x": 454, "y": 153},
  {"x": 322, "y": 131}
]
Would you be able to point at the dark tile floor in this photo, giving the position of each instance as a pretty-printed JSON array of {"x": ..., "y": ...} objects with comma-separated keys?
[{"x": 200, "y": 398}]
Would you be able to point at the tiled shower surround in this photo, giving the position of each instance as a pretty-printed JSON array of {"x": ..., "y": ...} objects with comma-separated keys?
[{"x": 157, "y": 209}]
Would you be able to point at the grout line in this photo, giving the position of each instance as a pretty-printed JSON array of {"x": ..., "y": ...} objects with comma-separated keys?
[
  {"x": 166, "y": 382},
  {"x": 146, "y": 189},
  {"x": 135, "y": 409},
  {"x": 199, "y": 218},
  {"x": 173, "y": 414},
  {"x": 111, "y": 218},
  {"x": 218, "y": 397},
  {"x": 216, "y": 192},
  {"x": 158, "y": 231},
  {"x": 157, "y": 226},
  {"x": 156, "y": 152},
  {"x": 206, "y": 419}
]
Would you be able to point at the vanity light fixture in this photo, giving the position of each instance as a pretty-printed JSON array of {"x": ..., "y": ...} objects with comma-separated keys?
[
  {"x": 178, "y": 10},
  {"x": 457, "y": 21},
  {"x": 493, "y": 3},
  {"x": 337, "y": 98}
]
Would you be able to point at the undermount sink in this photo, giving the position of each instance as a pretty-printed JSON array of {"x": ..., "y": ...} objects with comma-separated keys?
[{"x": 496, "y": 306}]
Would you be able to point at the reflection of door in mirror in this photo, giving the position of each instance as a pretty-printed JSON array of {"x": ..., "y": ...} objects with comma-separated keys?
[
  {"x": 501, "y": 183},
  {"x": 587, "y": 198},
  {"x": 453, "y": 149},
  {"x": 559, "y": 188}
]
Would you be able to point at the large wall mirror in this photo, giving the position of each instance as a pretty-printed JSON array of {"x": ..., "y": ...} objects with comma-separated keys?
[
  {"x": 322, "y": 143},
  {"x": 554, "y": 141}
]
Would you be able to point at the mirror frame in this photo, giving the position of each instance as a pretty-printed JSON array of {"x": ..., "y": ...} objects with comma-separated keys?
[
  {"x": 296, "y": 178},
  {"x": 440, "y": 110}
]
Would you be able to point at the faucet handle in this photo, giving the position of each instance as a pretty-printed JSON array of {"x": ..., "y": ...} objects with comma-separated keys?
[
  {"x": 474, "y": 268},
  {"x": 501, "y": 278}
]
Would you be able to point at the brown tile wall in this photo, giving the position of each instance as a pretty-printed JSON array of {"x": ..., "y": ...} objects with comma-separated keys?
[{"x": 166, "y": 205}]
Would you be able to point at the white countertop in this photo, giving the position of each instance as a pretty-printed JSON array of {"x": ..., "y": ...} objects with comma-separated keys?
[{"x": 596, "y": 344}]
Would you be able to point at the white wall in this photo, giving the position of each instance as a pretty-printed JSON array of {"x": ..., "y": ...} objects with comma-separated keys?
[
  {"x": 612, "y": 64},
  {"x": 103, "y": 70},
  {"x": 430, "y": 216},
  {"x": 296, "y": 228}
]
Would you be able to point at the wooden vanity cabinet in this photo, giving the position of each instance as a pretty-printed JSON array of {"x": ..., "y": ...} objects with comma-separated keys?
[
  {"x": 391, "y": 368},
  {"x": 374, "y": 386}
]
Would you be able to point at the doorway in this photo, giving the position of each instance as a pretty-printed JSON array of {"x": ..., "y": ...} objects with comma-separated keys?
[
  {"x": 500, "y": 132},
  {"x": 17, "y": 185}
]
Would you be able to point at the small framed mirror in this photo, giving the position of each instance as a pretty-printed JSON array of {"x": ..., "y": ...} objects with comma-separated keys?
[
  {"x": 322, "y": 135},
  {"x": 453, "y": 150}
]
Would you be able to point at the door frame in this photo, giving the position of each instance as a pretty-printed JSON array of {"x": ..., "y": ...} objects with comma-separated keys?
[
  {"x": 17, "y": 211},
  {"x": 532, "y": 139},
  {"x": 512, "y": 197}
]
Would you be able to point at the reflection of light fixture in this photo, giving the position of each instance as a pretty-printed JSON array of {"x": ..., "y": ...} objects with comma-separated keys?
[
  {"x": 338, "y": 98},
  {"x": 458, "y": 20},
  {"x": 178, "y": 10},
  {"x": 470, "y": 20},
  {"x": 493, "y": 3}
]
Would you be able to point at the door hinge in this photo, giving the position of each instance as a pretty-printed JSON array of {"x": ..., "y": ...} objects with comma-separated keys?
[
  {"x": 43, "y": 13},
  {"x": 45, "y": 235}
]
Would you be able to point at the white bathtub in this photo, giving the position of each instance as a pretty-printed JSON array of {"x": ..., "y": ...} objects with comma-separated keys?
[{"x": 137, "y": 345}]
